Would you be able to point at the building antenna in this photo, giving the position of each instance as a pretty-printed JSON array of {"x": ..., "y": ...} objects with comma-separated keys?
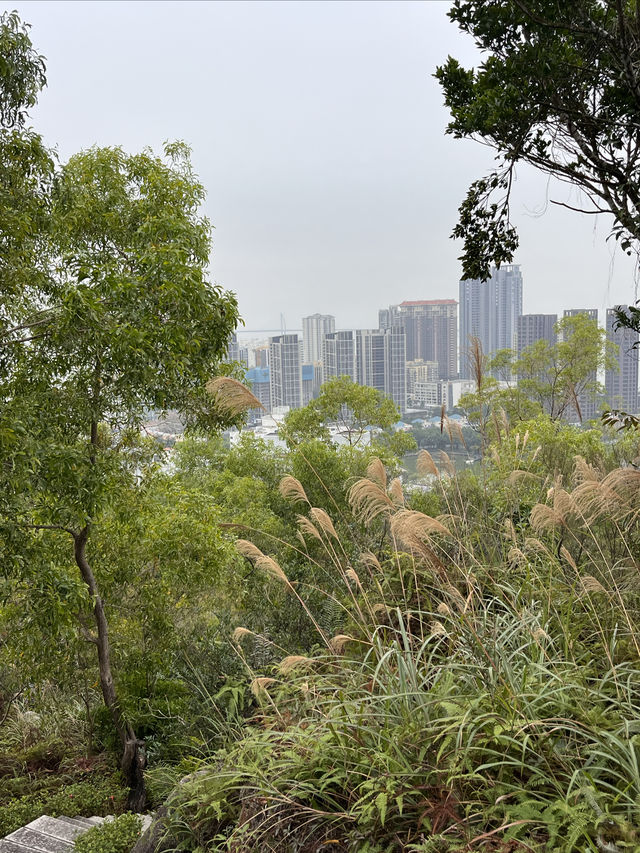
[{"x": 283, "y": 325}]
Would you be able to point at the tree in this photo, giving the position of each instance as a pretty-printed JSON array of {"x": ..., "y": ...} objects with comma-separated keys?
[
  {"x": 112, "y": 316},
  {"x": 26, "y": 171},
  {"x": 352, "y": 407},
  {"x": 130, "y": 323},
  {"x": 559, "y": 89},
  {"x": 551, "y": 378},
  {"x": 557, "y": 376}
]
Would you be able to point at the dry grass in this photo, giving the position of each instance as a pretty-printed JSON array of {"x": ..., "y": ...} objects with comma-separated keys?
[
  {"x": 293, "y": 490},
  {"x": 230, "y": 397}
]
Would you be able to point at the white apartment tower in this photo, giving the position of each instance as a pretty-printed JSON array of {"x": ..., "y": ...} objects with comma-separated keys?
[
  {"x": 339, "y": 355},
  {"x": 286, "y": 371},
  {"x": 314, "y": 329},
  {"x": 381, "y": 362}
]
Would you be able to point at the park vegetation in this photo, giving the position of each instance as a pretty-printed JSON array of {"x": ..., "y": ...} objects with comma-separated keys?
[{"x": 292, "y": 648}]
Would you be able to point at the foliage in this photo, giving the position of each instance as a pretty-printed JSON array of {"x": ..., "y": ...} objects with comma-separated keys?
[
  {"x": 557, "y": 88},
  {"x": 80, "y": 798},
  {"x": 432, "y": 437},
  {"x": 26, "y": 171},
  {"x": 481, "y": 683},
  {"x": 106, "y": 312},
  {"x": 556, "y": 376},
  {"x": 551, "y": 378},
  {"x": 22, "y": 70},
  {"x": 351, "y": 406},
  {"x": 113, "y": 836}
]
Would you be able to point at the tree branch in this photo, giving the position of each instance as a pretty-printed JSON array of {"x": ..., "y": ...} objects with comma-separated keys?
[
  {"x": 68, "y": 530},
  {"x": 580, "y": 209}
]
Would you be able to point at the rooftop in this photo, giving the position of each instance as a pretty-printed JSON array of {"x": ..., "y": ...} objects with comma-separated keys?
[{"x": 409, "y": 303}]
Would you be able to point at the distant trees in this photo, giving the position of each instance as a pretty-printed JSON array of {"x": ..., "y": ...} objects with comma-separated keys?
[
  {"x": 342, "y": 401},
  {"x": 551, "y": 378},
  {"x": 105, "y": 312}
]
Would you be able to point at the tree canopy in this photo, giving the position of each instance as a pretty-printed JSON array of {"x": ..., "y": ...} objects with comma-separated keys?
[
  {"x": 353, "y": 408},
  {"x": 558, "y": 88},
  {"x": 106, "y": 313}
]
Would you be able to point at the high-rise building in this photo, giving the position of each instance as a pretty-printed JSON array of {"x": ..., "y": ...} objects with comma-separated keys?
[
  {"x": 381, "y": 362},
  {"x": 233, "y": 349},
  {"x": 314, "y": 329},
  {"x": 235, "y": 352},
  {"x": 261, "y": 356},
  {"x": 591, "y": 313},
  {"x": 489, "y": 311},
  {"x": 395, "y": 367},
  {"x": 370, "y": 358},
  {"x": 260, "y": 383},
  {"x": 535, "y": 327},
  {"x": 587, "y": 400},
  {"x": 286, "y": 371},
  {"x": 431, "y": 331},
  {"x": 622, "y": 385},
  {"x": 339, "y": 355}
]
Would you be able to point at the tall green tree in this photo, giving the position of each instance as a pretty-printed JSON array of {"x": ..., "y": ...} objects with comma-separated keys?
[
  {"x": 557, "y": 376},
  {"x": 551, "y": 378},
  {"x": 113, "y": 317}
]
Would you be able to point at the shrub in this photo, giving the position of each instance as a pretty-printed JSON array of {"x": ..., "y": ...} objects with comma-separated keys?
[
  {"x": 113, "y": 836},
  {"x": 106, "y": 796}
]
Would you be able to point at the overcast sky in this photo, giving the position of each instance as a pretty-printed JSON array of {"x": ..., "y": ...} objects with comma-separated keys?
[{"x": 318, "y": 131}]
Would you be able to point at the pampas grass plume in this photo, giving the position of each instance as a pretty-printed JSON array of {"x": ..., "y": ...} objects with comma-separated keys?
[
  {"x": 395, "y": 491},
  {"x": 309, "y": 527},
  {"x": 231, "y": 397},
  {"x": 259, "y": 686},
  {"x": 376, "y": 472},
  {"x": 338, "y": 643},
  {"x": 292, "y": 489},
  {"x": 370, "y": 561},
  {"x": 368, "y": 500},
  {"x": 240, "y": 632},
  {"x": 426, "y": 465},
  {"x": 323, "y": 521},
  {"x": 292, "y": 662},
  {"x": 248, "y": 549}
]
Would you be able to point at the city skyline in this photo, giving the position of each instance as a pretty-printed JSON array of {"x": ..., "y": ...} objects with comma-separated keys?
[{"x": 417, "y": 354}]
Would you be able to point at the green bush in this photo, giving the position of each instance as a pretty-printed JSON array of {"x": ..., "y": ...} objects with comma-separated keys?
[
  {"x": 106, "y": 796},
  {"x": 113, "y": 836}
]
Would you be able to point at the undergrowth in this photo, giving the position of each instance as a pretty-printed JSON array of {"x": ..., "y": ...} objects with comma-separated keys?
[
  {"x": 114, "y": 836},
  {"x": 95, "y": 797},
  {"x": 482, "y": 692}
]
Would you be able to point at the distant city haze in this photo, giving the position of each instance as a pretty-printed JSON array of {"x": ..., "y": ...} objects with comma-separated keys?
[
  {"x": 317, "y": 129},
  {"x": 428, "y": 353}
]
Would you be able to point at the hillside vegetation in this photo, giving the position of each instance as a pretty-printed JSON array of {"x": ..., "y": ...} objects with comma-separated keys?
[{"x": 349, "y": 667}]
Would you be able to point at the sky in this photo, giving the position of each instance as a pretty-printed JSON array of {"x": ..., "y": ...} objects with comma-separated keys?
[{"x": 318, "y": 132}]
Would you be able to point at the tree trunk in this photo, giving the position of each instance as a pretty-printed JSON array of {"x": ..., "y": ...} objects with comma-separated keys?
[{"x": 133, "y": 759}]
